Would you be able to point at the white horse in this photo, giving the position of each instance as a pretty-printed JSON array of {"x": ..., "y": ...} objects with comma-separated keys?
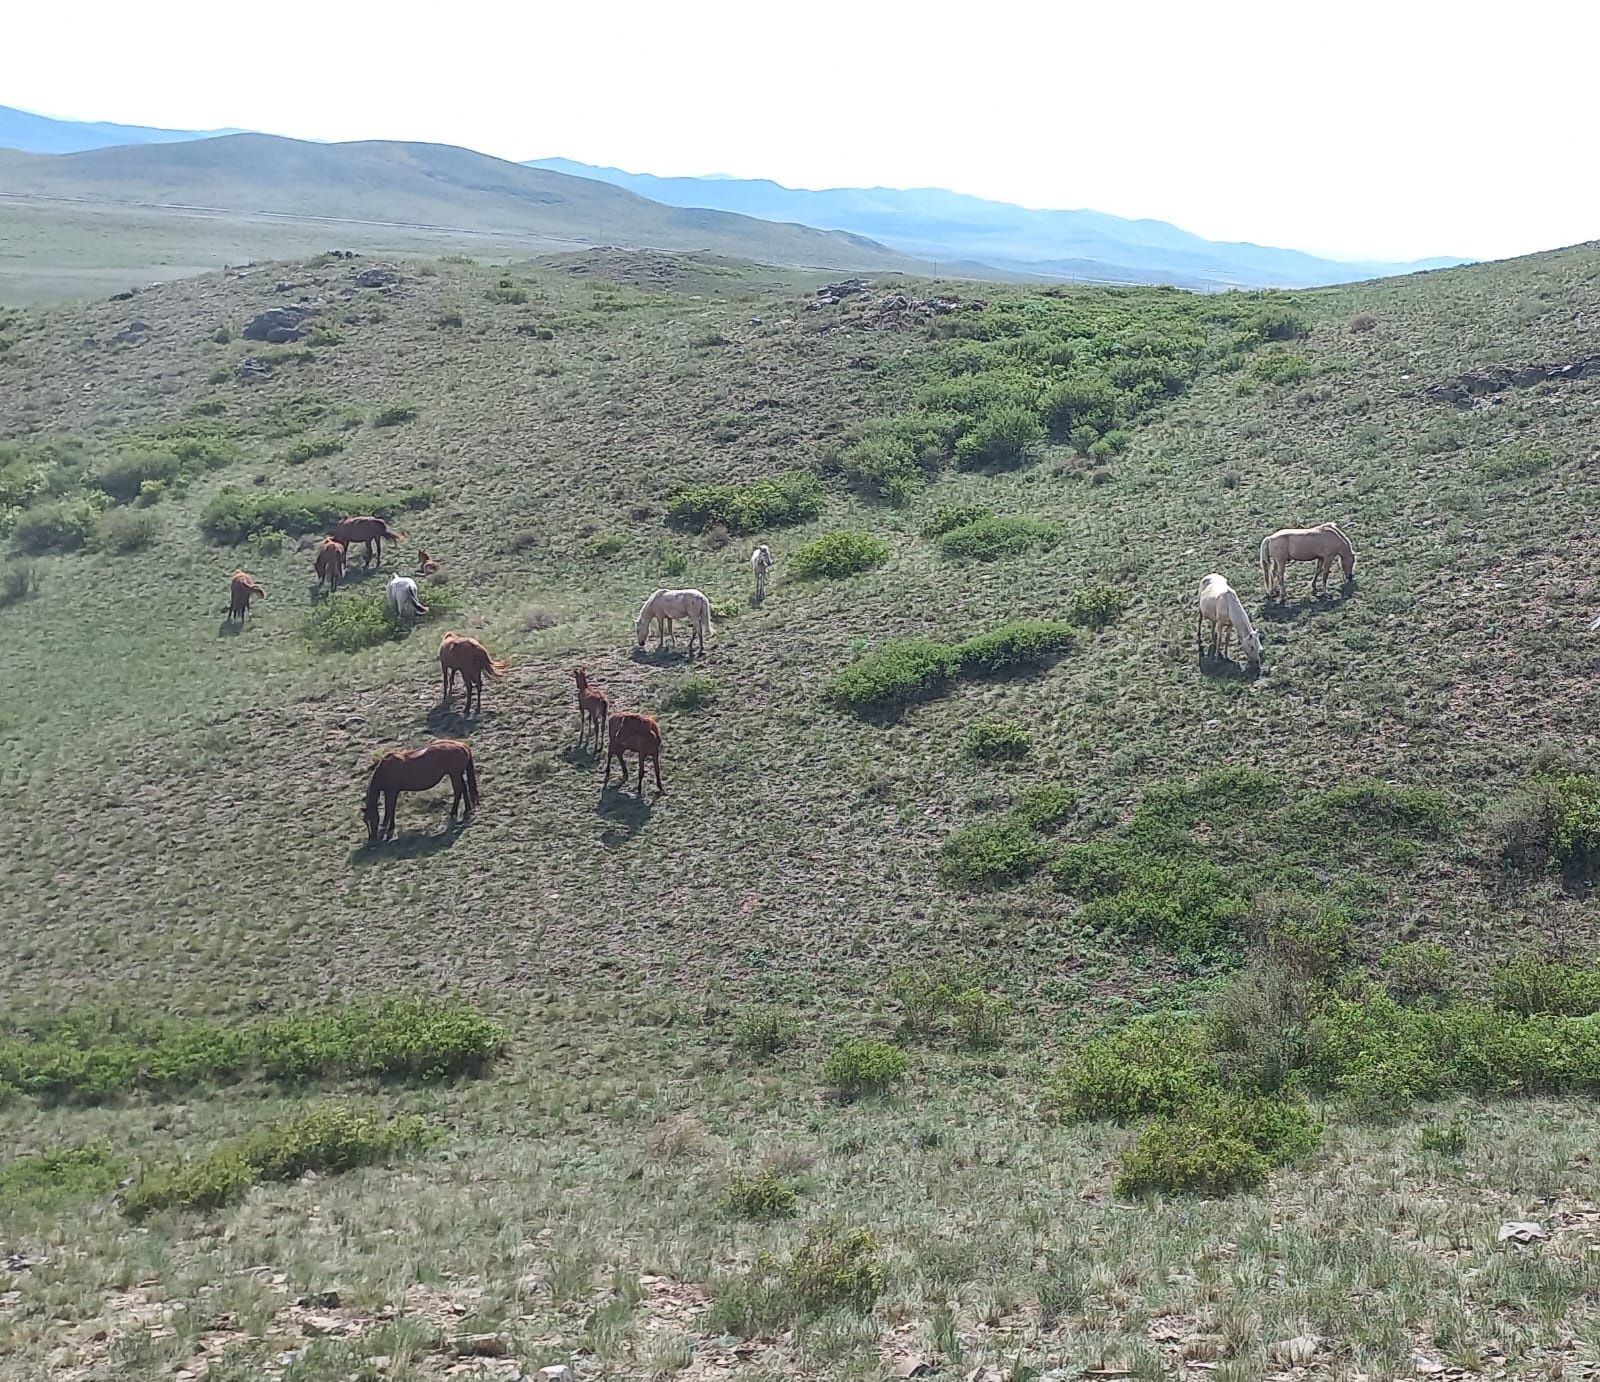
[
  {"x": 665, "y": 606},
  {"x": 1221, "y": 607},
  {"x": 402, "y": 595},
  {"x": 760, "y": 564}
]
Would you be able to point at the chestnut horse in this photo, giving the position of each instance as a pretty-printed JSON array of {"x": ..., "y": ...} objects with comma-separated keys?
[
  {"x": 630, "y": 732},
  {"x": 365, "y": 529},
  {"x": 416, "y": 770},
  {"x": 458, "y": 653},
  {"x": 240, "y": 589},
  {"x": 426, "y": 565},
  {"x": 592, "y": 708},
  {"x": 330, "y": 563}
]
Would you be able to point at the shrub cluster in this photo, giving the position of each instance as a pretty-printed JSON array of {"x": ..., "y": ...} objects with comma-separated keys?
[
  {"x": 60, "y": 525},
  {"x": 938, "y": 1000},
  {"x": 994, "y": 739},
  {"x": 121, "y": 531},
  {"x": 948, "y": 517},
  {"x": 353, "y": 621},
  {"x": 910, "y": 669},
  {"x": 858, "y": 1066},
  {"x": 994, "y": 854},
  {"x": 49, "y": 1178},
  {"x": 314, "y": 448},
  {"x": 233, "y": 515},
  {"x": 393, "y": 414},
  {"x": 1182, "y": 903},
  {"x": 836, "y": 555},
  {"x": 991, "y": 537},
  {"x": 763, "y": 1196},
  {"x": 1095, "y": 606},
  {"x": 782, "y": 502}
]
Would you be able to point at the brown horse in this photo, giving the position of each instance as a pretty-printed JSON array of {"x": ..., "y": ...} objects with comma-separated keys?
[
  {"x": 457, "y": 653},
  {"x": 633, "y": 733},
  {"x": 592, "y": 708},
  {"x": 416, "y": 770},
  {"x": 240, "y": 589},
  {"x": 426, "y": 565},
  {"x": 330, "y": 563},
  {"x": 365, "y": 529}
]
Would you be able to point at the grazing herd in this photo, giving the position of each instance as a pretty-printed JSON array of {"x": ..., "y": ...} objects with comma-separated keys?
[{"x": 1221, "y": 607}]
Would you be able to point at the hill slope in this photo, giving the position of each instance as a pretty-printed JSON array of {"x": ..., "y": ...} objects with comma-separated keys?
[
  {"x": 664, "y": 1173},
  {"x": 421, "y": 185},
  {"x": 40, "y": 134},
  {"x": 935, "y": 224}
]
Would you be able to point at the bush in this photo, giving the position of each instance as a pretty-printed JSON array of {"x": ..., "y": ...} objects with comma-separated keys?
[
  {"x": 327, "y": 1138},
  {"x": 1185, "y": 905},
  {"x": 1523, "y": 825},
  {"x": 124, "y": 477},
  {"x": 840, "y": 554},
  {"x": 508, "y": 292},
  {"x": 951, "y": 516},
  {"x": 1526, "y": 984},
  {"x": 763, "y": 1032},
  {"x": 51, "y": 1178},
  {"x": 1150, "y": 1065},
  {"x": 1095, "y": 606},
  {"x": 691, "y": 693},
  {"x": 899, "y": 671},
  {"x": 1281, "y": 367},
  {"x": 1279, "y": 322},
  {"x": 393, "y": 414},
  {"x": 991, "y": 855},
  {"x": 1575, "y": 836},
  {"x": 1083, "y": 402},
  {"x": 995, "y": 739},
  {"x": 605, "y": 545},
  {"x": 1024, "y": 642},
  {"x": 1259, "y": 1026},
  {"x": 1418, "y": 970},
  {"x": 1220, "y": 1144},
  {"x": 1448, "y": 1140},
  {"x": 393, "y": 1038},
  {"x": 764, "y": 1196},
  {"x": 835, "y": 1267},
  {"x": 1001, "y": 438},
  {"x": 986, "y": 539},
  {"x": 858, "y": 1066},
  {"x": 795, "y": 497},
  {"x": 1408, "y": 810},
  {"x": 62, "y": 526},
  {"x": 982, "y": 1018},
  {"x": 122, "y": 531},
  {"x": 18, "y": 581},
  {"x": 314, "y": 448},
  {"x": 233, "y": 515},
  {"x": 355, "y": 621},
  {"x": 884, "y": 464}
]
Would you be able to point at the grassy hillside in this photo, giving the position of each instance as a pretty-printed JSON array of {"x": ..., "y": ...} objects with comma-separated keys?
[{"x": 977, "y": 801}]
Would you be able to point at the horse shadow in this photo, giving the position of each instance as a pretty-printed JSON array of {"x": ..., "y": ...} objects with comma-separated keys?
[
  {"x": 452, "y": 724},
  {"x": 627, "y": 813},
  {"x": 1215, "y": 667},
  {"x": 668, "y": 655},
  {"x": 407, "y": 844},
  {"x": 230, "y": 628},
  {"x": 585, "y": 755},
  {"x": 1292, "y": 612}
]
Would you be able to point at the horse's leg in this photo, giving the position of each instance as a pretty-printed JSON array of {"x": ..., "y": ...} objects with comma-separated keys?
[
  {"x": 655, "y": 762},
  {"x": 641, "y": 772},
  {"x": 1199, "y": 646},
  {"x": 606, "y": 781},
  {"x": 391, "y": 796}
]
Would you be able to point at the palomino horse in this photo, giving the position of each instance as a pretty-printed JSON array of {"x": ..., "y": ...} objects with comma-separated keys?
[
  {"x": 592, "y": 708},
  {"x": 416, "y": 770},
  {"x": 1323, "y": 544},
  {"x": 331, "y": 562},
  {"x": 1221, "y": 607},
  {"x": 367, "y": 530},
  {"x": 667, "y": 605},
  {"x": 760, "y": 564},
  {"x": 457, "y": 653},
  {"x": 240, "y": 589},
  {"x": 633, "y": 733},
  {"x": 402, "y": 595}
]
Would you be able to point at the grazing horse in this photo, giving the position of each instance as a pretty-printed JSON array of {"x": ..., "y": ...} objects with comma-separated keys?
[
  {"x": 426, "y": 565},
  {"x": 1323, "y": 544},
  {"x": 760, "y": 564},
  {"x": 330, "y": 563},
  {"x": 402, "y": 594},
  {"x": 416, "y": 770},
  {"x": 1221, "y": 607},
  {"x": 665, "y": 606},
  {"x": 633, "y": 733},
  {"x": 457, "y": 653},
  {"x": 365, "y": 529},
  {"x": 592, "y": 708},
  {"x": 240, "y": 589}
]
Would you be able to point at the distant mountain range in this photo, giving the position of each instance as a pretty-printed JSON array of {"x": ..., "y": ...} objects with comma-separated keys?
[
  {"x": 443, "y": 187},
  {"x": 931, "y": 223}
]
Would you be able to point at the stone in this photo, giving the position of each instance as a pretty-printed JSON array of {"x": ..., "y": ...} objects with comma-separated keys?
[
  {"x": 275, "y": 319},
  {"x": 251, "y": 368},
  {"x": 480, "y": 1346},
  {"x": 1295, "y": 1352},
  {"x": 556, "y": 1372},
  {"x": 1522, "y": 1231},
  {"x": 377, "y": 276}
]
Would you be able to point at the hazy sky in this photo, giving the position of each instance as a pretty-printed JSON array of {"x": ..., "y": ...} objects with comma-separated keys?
[{"x": 1392, "y": 130}]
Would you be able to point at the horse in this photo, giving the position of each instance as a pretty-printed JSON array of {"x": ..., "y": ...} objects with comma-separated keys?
[
  {"x": 1324, "y": 544},
  {"x": 458, "y": 653},
  {"x": 416, "y": 770},
  {"x": 592, "y": 708},
  {"x": 1221, "y": 607},
  {"x": 426, "y": 565},
  {"x": 240, "y": 590},
  {"x": 760, "y": 564},
  {"x": 402, "y": 594},
  {"x": 367, "y": 530},
  {"x": 633, "y": 733},
  {"x": 667, "y": 605},
  {"x": 331, "y": 560}
]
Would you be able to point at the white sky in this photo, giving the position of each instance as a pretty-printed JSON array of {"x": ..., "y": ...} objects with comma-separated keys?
[{"x": 1358, "y": 129}]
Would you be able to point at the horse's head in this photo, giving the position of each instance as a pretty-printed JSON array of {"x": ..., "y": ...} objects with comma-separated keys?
[
  {"x": 1347, "y": 559},
  {"x": 1252, "y": 647},
  {"x": 580, "y": 676},
  {"x": 369, "y": 813}
]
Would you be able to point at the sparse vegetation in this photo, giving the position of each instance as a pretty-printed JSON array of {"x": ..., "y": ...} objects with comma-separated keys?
[
  {"x": 121, "y": 531},
  {"x": 314, "y": 448},
  {"x": 778, "y": 503},
  {"x": 763, "y": 1196},
  {"x": 857, "y": 1067},
  {"x": 393, "y": 414}
]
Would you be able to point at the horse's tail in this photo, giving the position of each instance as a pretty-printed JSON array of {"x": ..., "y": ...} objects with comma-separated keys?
[
  {"x": 705, "y": 614},
  {"x": 1266, "y": 560},
  {"x": 371, "y": 808},
  {"x": 496, "y": 667},
  {"x": 392, "y": 535},
  {"x": 471, "y": 773}
]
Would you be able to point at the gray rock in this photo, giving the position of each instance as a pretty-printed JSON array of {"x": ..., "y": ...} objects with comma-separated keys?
[
  {"x": 282, "y": 335},
  {"x": 377, "y": 276},
  {"x": 261, "y": 326}
]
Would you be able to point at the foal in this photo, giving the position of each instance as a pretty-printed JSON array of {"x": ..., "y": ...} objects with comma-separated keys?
[
  {"x": 240, "y": 590},
  {"x": 592, "y": 708}
]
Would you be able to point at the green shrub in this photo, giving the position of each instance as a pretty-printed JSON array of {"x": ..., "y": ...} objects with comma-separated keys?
[
  {"x": 1185, "y": 905},
  {"x": 398, "y": 1037},
  {"x": 986, "y": 539},
  {"x": 1281, "y": 367},
  {"x": 605, "y": 545},
  {"x": 1450, "y": 1139},
  {"x": 1000, "y": 438},
  {"x": 1259, "y": 1027},
  {"x": 1045, "y": 808},
  {"x": 990, "y": 855},
  {"x": 982, "y": 1018},
  {"x": 763, "y": 1032},
  {"x": 233, "y": 515},
  {"x": 326, "y": 1138},
  {"x": 62, "y": 526},
  {"x": 125, "y": 476},
  {"x": 269, "y": 542},
  {"x": 1575, "y": 837},
  {"x": 884, "y": 464},
  {"x": 753, "y": 1303},
  {"x": 1215, "y": 1147},
  {"x": 1095, "y": 606},
  {"x": 393, "y": 414},
  {"x": 354, "y": 621},
  {"x": 1022, "y": 643},
  {"x": 951, "y": 516},
  {"x": 314, "y": 448},
  {"x": 123, "y": 531},
  {"x": 927, "y": 997},
  {"x": 18, "y": 581},
  {"x": 55, "y": 1177},
  {"x": 1086, "y": 402},
  {"x": 691, "y": 693},
  {"x": 1410, "y": 810},
  {"x": 836, "y": 1268},
  {"x": 795, "y": 497},
  {"x": 507, "y": 292},
  {"x": 994, "y": 739},
  {"x": 1519, "y": 461},
  {"x": 1279, "y": 322},
  {"x": 1418, "y": 970},
  {"x": 1150, "y": 1065},
  {"x": 897, "y": 672},
  {"x": 1526, "y": 984},
  {"x": 764, "y": 1196},
  {"x": 1523, "y": 824},
  {"x": 859, "y": 1066},
  {"x": 840, "y": 554}
]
